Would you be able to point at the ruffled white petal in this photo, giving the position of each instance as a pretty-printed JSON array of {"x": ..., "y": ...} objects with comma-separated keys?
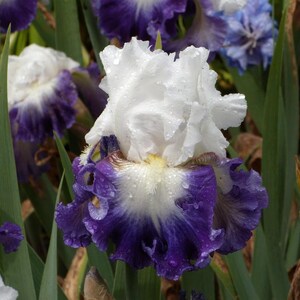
[
  {"x": 229, "y": 111},
  {"x": 102, "y": 127},
  {"x": 6, "y": 292},
  {"x": 33, "y": 73},
  {"x": 162, "y": 106}
]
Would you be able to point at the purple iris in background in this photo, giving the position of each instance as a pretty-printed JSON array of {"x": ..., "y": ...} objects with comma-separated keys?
[
  {"x": 181, "y": 23},
  {"x": 250, "y": 37},
  {"x": 154, "y": 178},
  {"x": 10, "y": 237},
  {"x": 18, "y": 13}
]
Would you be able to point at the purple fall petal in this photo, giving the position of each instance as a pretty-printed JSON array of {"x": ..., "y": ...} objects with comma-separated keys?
[
  {"x": 238, "y": 211},
  {"x": 69, "y": 219},
  {"x": 179, "y": 243}
]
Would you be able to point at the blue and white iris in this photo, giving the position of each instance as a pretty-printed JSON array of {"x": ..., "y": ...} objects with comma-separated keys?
[
  {"x": 41, "y": 94},
  {"x": 41, "y": 99},
  {"x": 250, "y": 37},
  {"x": 154, "y": 178}
]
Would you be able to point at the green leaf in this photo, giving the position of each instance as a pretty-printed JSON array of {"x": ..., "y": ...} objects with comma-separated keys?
[
  {"x": 293, "y": 245},
  {"x": 273, "y": 170},
  {"x": 224, "y": 278},
  {"x": 15, "y": 267},
  {"x": 35, "y": 38},
  {"x": 158, "y": 42},
  {"x": 66, "y": 163},
  {"x": 260, "y": 275},
  {"x": 37, "y": 266},
  {"x": 48, "y": 290},
  {"x": 67, "y": 33},
  {"x": 201, "y": 281},
  {"x": 118, "y": 290},
  {"x": 100, "y": 260},
  {"x": 240, "y": 276},
  {"x": 225, "y": 294},
  {"x": 44, "y": 30},
  {"x": 98, "y": 40},
  {"x": 149, "y": 284},
  {"x": 131, "y": 279},
  {"x": 21, "y": 42},
  {"x": 291, "y": 109}
]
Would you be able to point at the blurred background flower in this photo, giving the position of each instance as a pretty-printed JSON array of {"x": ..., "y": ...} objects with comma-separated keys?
[
  {"x": 250, "y": 36},
  {"x": 43, "y": 90},
  {"x": 41, "y": 93},
  {"x": 10, "y": 236},
  {"x": 18, "y": 13},
  {"x": 181, "y": 23}
]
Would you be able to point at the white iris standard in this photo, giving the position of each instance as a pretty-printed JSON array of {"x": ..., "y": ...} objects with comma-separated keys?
[{"x": 162, "y": 106}]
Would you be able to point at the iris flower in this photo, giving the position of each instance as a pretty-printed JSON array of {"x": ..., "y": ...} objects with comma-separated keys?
[
  {"x": 154, "y": 179},
  {"x": 18, "y": 13},
  {"x": 250, "y": 37},
  {"x": 43, "y": 88},
  {"x": 41, "y": 99},
  {"x": 41, "y": 94},
  {"x": 124, "y": 19}
]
